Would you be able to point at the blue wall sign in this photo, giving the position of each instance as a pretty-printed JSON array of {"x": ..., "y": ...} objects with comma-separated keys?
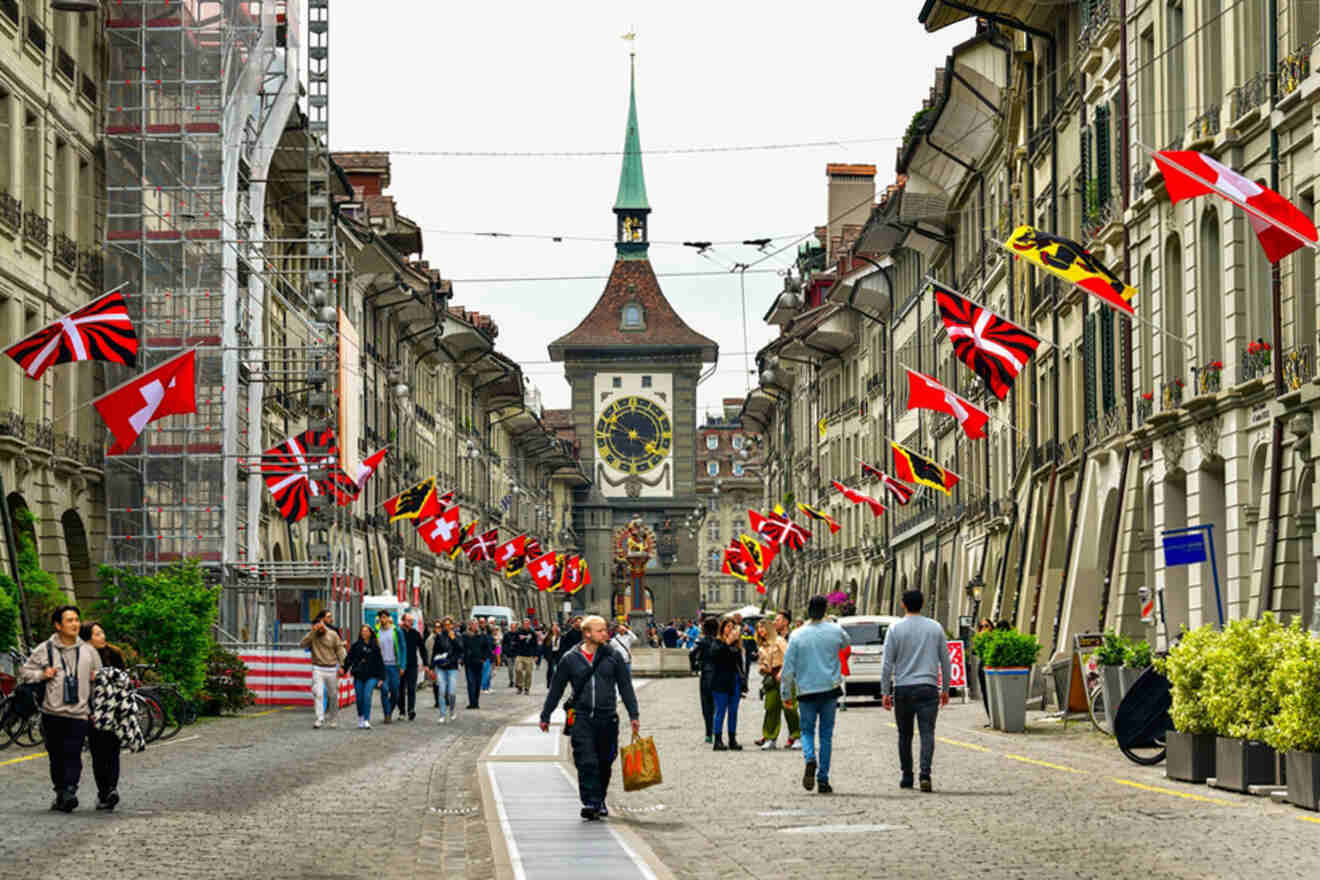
[{"x": 1184, "y": 549}]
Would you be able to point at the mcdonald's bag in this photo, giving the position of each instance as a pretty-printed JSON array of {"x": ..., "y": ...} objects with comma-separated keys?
[{"x": 641, "y": 764}]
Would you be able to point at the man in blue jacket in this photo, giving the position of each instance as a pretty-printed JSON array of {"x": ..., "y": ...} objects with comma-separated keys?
[
  {"x": 812, "y": 663},
  {"x": 394, "y": 651}
]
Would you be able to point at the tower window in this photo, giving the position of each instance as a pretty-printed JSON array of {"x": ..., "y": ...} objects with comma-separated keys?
[
  {"x": 646, "y": 381},
  {"x": 616, "y": 382},
  {"x": 713, "y": 468},
  {"x": 712, "y": 441},
  {"x": 633, "y": 317}
]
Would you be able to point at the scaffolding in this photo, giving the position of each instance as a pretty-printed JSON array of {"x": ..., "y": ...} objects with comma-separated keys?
[{"x": 201, "y": 121}]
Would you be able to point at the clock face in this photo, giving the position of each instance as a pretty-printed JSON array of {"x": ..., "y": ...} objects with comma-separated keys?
[{"x": 633, "y": 435}]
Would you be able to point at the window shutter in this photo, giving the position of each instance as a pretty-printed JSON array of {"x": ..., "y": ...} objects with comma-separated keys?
[
  {"x": 1087, "y": 207},
  {"x": 1102, "y": 155},
  {"x": 1108, "y": 398},
  {"x": 1088, "y": 367}
]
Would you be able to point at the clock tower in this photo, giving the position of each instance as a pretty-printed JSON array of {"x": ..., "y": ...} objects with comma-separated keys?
[{"x": 633, "y": 366}]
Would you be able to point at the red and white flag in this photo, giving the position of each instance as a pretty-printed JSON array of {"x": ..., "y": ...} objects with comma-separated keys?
[
  {"x": 544, "y": 571},
  {"x": 856, "y": 497},
  {"x": 510, "y": 551},
  {"x": 925, "y": 393},
  {"x": 168, "y": 390},
  {"x": 1280, "y": 226},
  {"x": 575, "y": 569},
  {"x": 99, "y": 331},
  {"x": 368, "y": 467},
  {"x": 441, "y": 533},
  {"x": 481, "y": 548}
]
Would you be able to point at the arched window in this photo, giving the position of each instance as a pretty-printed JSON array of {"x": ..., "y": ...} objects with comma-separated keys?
[
  {"x": 1171, "y": 313},
  {"x": 712, "y": 441},
  {"x": 1210, "y": 296},
  {"x": 713, "y": 468}
]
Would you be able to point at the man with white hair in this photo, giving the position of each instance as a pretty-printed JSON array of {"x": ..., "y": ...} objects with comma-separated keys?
[{"x": 596, "y": 671}]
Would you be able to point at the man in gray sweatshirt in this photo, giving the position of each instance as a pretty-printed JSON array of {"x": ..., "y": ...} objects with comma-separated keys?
[{"x": 915, "y": 651}]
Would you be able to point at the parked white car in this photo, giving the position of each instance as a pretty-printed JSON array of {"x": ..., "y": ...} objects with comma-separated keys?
[{"x": 867, "y": 633}]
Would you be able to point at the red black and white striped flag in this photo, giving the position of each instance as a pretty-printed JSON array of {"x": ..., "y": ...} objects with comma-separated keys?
[
  {"x": 995, "y": 349},
  {"x": 99, "y": 331},
  {"x": 288, "y": 471}
]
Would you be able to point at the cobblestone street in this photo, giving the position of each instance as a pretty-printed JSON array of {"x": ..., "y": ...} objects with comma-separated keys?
[{"x": 266, "y": 794}]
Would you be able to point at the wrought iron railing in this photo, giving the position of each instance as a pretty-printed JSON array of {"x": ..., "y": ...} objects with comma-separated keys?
[
  {"x": 1100, "y": 16},
  {"x": 36, "y": 229},
  {"x": 1097, "y": 218},
  {"x": 875, "y": 384},
  {"x": 1210, "y": 377},
  {"x": 978, "y": 507},
  {"x": 1144, "y": 409},
  {"x": 11, "y": 211},
  {"x": 1248, "y": 96},
  {"x": 1298, "y": 366},
  {"x": 1048, "y": 451},
  {"x": 1207, "y": 124},
  {"x": 1171, "y": 394},
  {"x": 13, "y": 424},
  {"x": 1141, "y": 171},
  {"x": 1293, "y": 68},
  {"x": 1076, "y": 443},
  {"x": 1253, "y": 364},
  {"x": 1112, "y": 421},
  {"x": 66, "y": 251}
]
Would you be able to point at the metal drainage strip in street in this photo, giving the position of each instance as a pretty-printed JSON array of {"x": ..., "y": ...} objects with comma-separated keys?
[
  {"x": 841, "y": 829},
  {"x": 455, "y": 811}
]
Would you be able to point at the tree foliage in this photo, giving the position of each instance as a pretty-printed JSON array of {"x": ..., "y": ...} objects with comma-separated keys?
[
  {"x": 40, "y": 589},
  {"x": 167, "y": 617}
]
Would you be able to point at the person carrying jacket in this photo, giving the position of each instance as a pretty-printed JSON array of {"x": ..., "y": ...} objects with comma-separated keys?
[
  {"x": 702, "y": 660},
  {"x": 113, "y": 722},
  {"x": 67, "y": 665},
  {"x": 367, "y": 667},
  {"x": 444, "y": 648},
  {"x": 477, "y": 650},
  {"x": 595, "y": 671},
  {"x": 394, "y": 654}
]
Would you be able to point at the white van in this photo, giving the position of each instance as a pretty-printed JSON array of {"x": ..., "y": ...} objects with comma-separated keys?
[
  {"x": 501, "y": 614},
  {"x": 867, "y": 634}
]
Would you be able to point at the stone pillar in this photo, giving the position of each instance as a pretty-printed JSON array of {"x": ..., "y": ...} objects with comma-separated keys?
[{"x": 16, "y": 119}]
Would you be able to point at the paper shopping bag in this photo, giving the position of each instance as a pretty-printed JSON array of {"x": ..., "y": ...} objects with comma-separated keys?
[{"x": 641, "y": 764}]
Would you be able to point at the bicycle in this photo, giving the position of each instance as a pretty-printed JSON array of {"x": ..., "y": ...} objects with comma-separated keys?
[
  {"x": 175, "y": 710},
  {"x": 1142, "y": 720},
  {"x": 1095, "y": 698}
]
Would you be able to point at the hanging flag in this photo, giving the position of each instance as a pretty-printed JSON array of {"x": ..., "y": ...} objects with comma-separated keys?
[
  {"x": 464, "y": 535},
  {"x": 856, "y": 497},
  {"x": 822, "y": 426},
  {"x": 544, "y": 571},
  {"x": 481, "y": 548},
  {"x": 763, "y": 554},
  {"x": 510, "y": 551},
  {"x": 916, "y": 469},
  {"x": 574, "y": 570},
  {"x": 368, "y": 467},
  {"x": 739, "y": 563},
  {"x": 1280, "y": 226},
  {"x": 417, "y": 502},
  {"x": 99, "y": 331},
  {"x": 340, "y": 486},
  {"x": 926, "y": 393},
  {"x": 820, "y": 515},
  {"x": 532, "y": 549},
  {"x": 993, "y": 348},
  {"x": 168, "y": 390},
  {"x": 778, "y": 529},
  {"x": 441, "y": 533},
  {"x": 1066, "y": 259},
  {"x": 287, "y": 469}
]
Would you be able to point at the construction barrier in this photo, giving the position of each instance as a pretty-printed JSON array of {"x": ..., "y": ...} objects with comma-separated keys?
[{"x": 284, "y": 678}]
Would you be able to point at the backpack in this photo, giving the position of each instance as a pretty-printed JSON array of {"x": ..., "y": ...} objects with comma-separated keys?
[{"x": 27, "y": 698}]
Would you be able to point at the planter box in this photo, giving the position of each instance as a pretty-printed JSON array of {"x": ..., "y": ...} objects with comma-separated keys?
[
  {"x": 1128, "y": 677},
  {"x": 1112, "y": 683},
  {"x": 1303, "y": 771},
  {"x": 1008, "y": 697},
  {"x": 1190, "y": 756},
  {"x": 1241, "y": 763}
]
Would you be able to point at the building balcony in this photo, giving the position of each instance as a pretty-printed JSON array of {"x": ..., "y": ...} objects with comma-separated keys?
[
  {"x": 1209, "y": 377},
  {"x": 1144, "y": 409},
  {"x": 66, "y": 252},
  {"x": 1254, "y": 363},
  {"x": 1099, "y": 22},
  {"x": 11, "y": 212},
  {"x": 36, "y": 230},
  {"x": 1293, "y": 68},
  {"x": 1247, "y": 97},
  {"x": 1298, "y": 366},
  {"x": 1171, "y": 394},
  {"x": 1206, "y": 125}
]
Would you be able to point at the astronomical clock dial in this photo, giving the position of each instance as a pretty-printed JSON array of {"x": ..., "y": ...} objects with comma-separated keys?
[{"x": 634, "y": 435}]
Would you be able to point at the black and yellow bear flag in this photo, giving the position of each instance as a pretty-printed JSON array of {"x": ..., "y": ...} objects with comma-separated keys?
[
  {"x": 914, "y": 468},
  {"x": 417, "y": 502}
]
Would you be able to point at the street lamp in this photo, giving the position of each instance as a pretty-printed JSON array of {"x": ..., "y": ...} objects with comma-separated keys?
[{"x": 975, "y": 587}]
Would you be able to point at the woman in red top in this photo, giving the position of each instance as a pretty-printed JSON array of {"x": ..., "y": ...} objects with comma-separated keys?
[{"x": 844, "y": 654}]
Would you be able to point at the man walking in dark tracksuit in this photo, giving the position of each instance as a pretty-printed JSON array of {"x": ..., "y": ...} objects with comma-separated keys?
[{"x": 595, "y": 671}]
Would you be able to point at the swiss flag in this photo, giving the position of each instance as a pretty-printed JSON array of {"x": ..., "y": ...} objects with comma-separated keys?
[
  {"x": 544, "y": 571},
  {"x": 509, "y": 551},
  {"x": 858, "y": 498},
  {"x": 168, "y": 390},
  {"x": 925, "y": 393},
  {"x": 441, "y": 533},
  {"x": 368, "y": 467},
  {"x": 1280, "y": 226}
]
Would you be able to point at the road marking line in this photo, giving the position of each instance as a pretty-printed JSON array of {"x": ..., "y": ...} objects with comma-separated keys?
[
  {"x": 515, "y": 858},
  {"x": 175, "y": 742},
  {"x": 965, "y": 745},
  {"x": 1027, "y": 760},
  {"x": 1309, "y": 819},
  {"x": 24, "y": 758},
  {"x": 1181, "y": 794},
  {"x": 267, "y": 712}
]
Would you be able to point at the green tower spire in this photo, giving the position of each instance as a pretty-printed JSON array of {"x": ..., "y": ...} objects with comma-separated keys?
[{"x": 631, "y": 207}]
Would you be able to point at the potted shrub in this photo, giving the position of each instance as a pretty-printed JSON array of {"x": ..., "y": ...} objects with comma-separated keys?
[
  {"x": 1136, "y": 660},
  {"x": 1109, "y": 657},
  {"x": 1190, "y": 746},
  {"x": 1241, "y": 703},
  {"x": 1008, "y": 660},
  {"x": 1296, "y": 727}
]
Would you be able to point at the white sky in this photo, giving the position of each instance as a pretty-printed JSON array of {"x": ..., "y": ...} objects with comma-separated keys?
[{"x": 522, "y": 77}]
